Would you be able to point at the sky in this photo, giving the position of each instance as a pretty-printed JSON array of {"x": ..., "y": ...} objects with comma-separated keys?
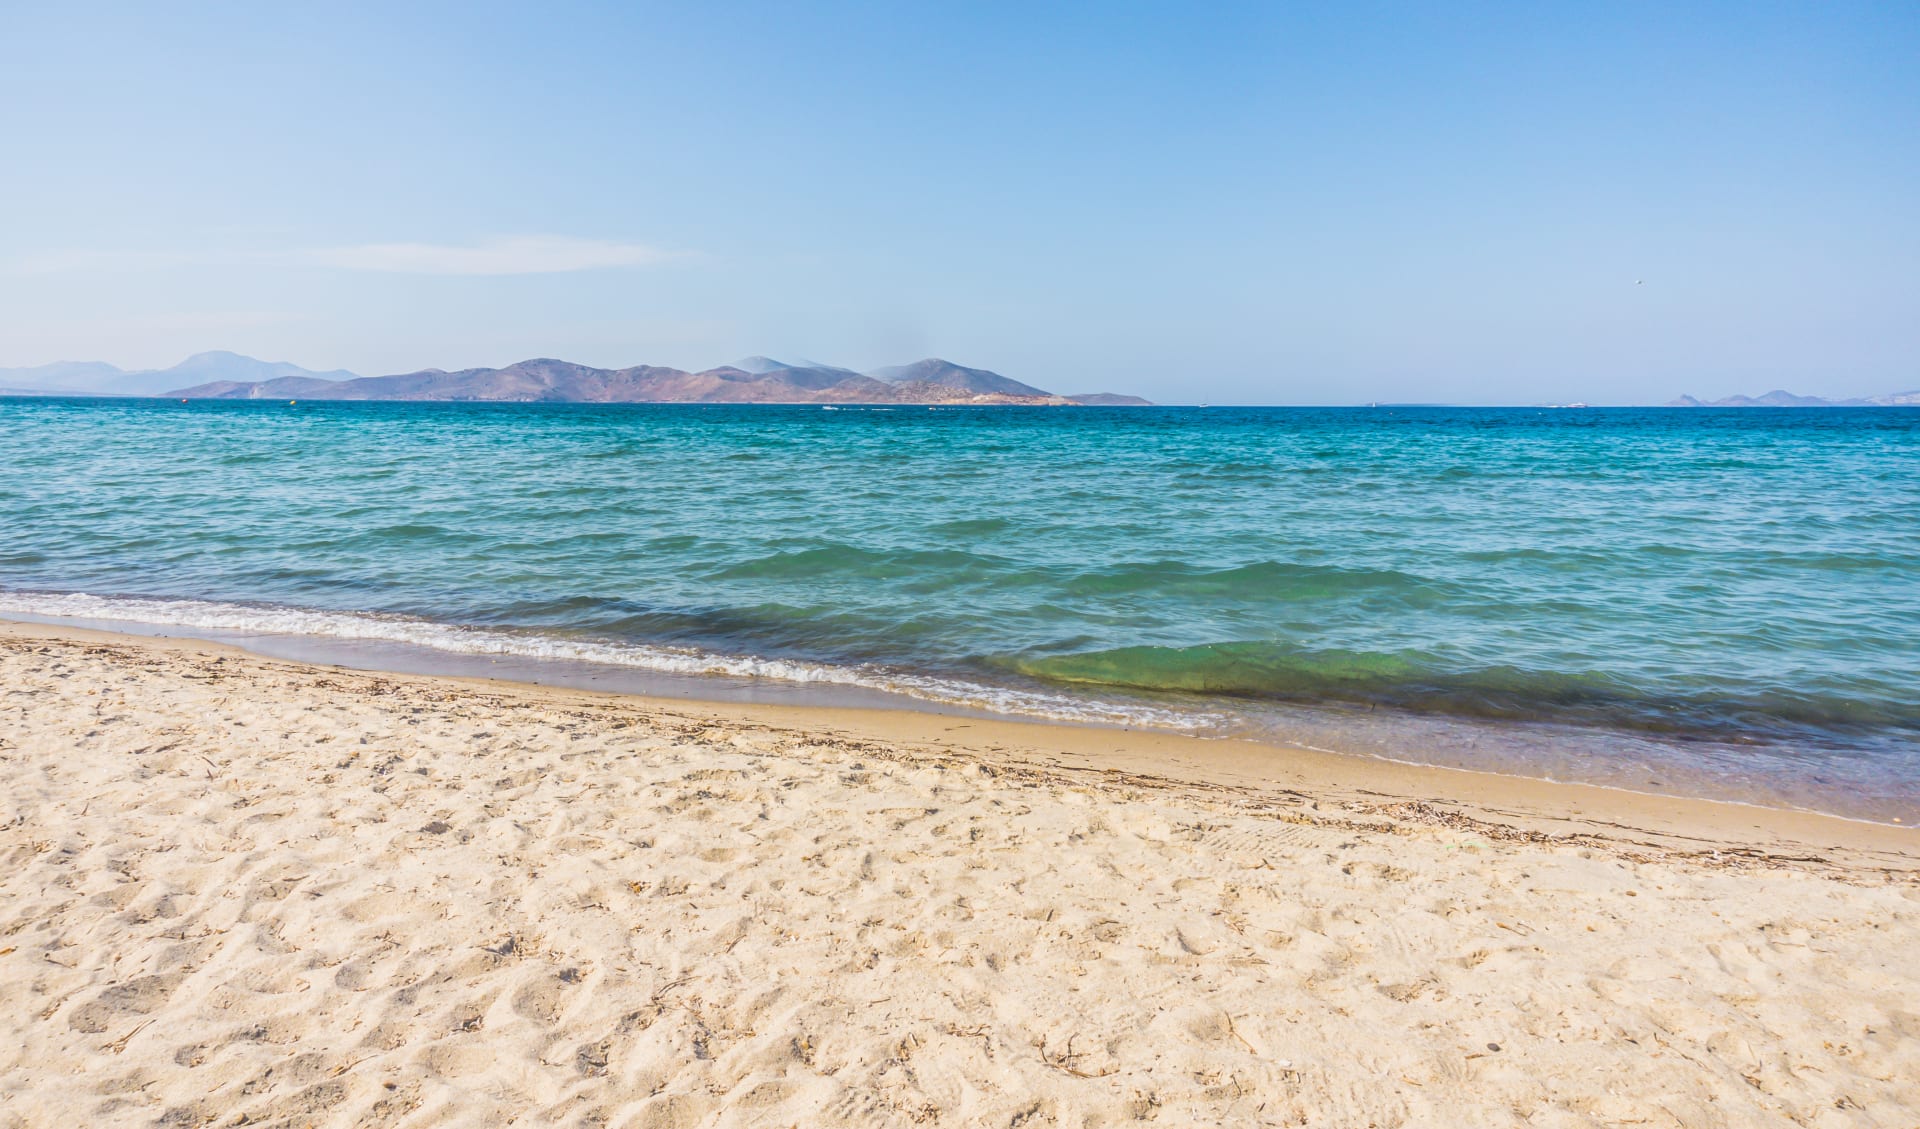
[{"x": 1231, "y": 203}]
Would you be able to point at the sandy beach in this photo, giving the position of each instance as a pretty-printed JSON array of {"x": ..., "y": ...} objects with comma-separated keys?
[{"x": 247, "y": 891}]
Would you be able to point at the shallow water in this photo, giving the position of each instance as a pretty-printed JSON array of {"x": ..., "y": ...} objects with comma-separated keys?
[{"x": 1724, "y": 602}]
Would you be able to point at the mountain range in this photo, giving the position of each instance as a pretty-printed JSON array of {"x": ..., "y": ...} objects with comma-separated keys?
[
  {"x": 755, "y": 380},
  {"x": 97, "y": 378},
  {"x": 1780, "y": 399}
]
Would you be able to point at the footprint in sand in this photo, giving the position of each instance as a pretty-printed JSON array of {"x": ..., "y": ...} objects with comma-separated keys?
[{"x": 135, "y": 997}]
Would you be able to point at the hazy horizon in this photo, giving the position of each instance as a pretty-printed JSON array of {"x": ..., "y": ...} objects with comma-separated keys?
[
  {"x": 7, "y": 374},
  {"x": 1259, "y": 206}
]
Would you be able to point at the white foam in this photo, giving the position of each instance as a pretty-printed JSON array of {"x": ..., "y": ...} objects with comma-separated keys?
[{"x": 455, "y": 639}]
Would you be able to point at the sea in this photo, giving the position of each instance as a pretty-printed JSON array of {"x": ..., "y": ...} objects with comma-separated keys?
[{"x": 1708, "y": 602}]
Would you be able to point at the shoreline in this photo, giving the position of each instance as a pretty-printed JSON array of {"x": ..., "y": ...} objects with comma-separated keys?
[
  {"x": 1525, "y": 804},
  {"x": 242, "y": 889},
  {"x": 1780, "y": 777}
]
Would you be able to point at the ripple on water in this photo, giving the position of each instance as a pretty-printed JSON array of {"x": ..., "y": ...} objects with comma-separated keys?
[{"x": 1678, "y": 579}]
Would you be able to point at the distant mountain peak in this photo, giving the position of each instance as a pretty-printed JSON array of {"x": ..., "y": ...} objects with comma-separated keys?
[
  {"x": 97, "y": 378},
  {"x": 946, "y": 374}
]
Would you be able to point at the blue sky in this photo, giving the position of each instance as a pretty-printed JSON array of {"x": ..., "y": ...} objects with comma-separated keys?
[{"x": 1234, "y": 203}]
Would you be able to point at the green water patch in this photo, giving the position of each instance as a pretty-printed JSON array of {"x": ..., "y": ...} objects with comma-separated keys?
[
  {"x": 1422, "y": 682},
  {"x": 854, "y": 562},
  {"x": 1250, "y": 669},
  {"x": 973, "y": 527},
  {"x": 1261, "y": 581}
]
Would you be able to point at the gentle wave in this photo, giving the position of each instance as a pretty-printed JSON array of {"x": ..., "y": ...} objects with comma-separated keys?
[
  {"x": 1416, "y": 681},
  {"x": 1256, "y": 581},
  {"x": 463, "y": 640}
]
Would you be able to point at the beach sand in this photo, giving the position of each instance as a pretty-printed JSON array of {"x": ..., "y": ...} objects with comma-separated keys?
[{"x": 246, "y": 891}]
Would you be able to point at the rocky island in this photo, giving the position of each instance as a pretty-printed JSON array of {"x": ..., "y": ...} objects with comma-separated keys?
[{"x": 756, "y": 380}]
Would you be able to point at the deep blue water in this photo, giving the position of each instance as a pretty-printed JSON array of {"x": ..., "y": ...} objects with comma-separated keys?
[{"x": 1724, "y": 601}]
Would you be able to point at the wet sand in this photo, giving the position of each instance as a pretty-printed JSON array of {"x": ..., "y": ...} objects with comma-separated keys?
[{"x": 247, "y": 890}]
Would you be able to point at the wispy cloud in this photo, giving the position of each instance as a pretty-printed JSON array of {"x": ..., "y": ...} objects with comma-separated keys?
[{"x": 518, "y": 254}]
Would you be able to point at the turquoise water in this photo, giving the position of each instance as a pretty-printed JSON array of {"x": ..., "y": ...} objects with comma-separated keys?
[{"x": 1724, "y": 602}]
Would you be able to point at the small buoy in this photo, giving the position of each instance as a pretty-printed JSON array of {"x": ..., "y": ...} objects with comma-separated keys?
[{"x": 292, "y": 402}]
